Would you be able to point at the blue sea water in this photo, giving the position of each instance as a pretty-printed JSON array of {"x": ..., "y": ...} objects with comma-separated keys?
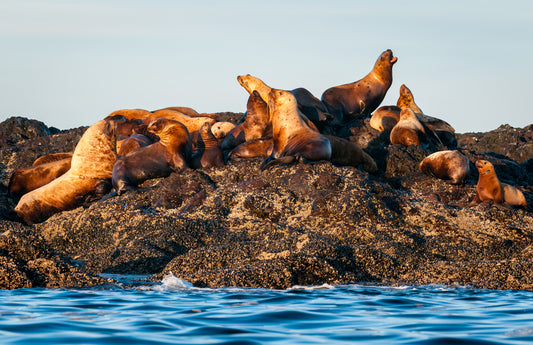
[{"x": 173, "y": 312}]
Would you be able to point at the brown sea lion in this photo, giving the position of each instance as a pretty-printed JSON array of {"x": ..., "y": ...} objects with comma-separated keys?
[
  {"x": 261, "y": 147},
  {"x": 407, "y": 100},
  {"x": 52, "y": 158},
  {"x": 450, "y": 166},
  {"x": 256, "y": 125},
  {"x": 132, "y": 143},
  {"x": 208, "y": 151},
  {"x": 311, "y": 106},
  {"x": 170, "y": 153},
  {"x": 88, "y": 177},
  {"x": 221, "y": 128},
  {"x": 347, "y": 153},
  {"x": 489, "y": 187},
  {"x": 408, "y": 131},
  {"x": 27, "y": 179},
  {"x": 251, "y": 83},
  {"x": 293, "y": 139},
  {"x": 362, "y": 97},
  {"x": 192, "y": 123},
  {"x": 385, "y": 118}
]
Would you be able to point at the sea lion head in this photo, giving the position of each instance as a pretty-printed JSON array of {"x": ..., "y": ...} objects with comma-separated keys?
[
  {"x": 221, "y": 129},
  {"x": 484, "y": 167},
  {"x": 250, "y": 83},
  {"x": 387, "y": 58},
  {"x": 280, "y": 98}
]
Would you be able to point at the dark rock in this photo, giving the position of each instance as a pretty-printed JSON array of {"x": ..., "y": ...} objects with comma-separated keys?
[{"x": 299, "y": 224}]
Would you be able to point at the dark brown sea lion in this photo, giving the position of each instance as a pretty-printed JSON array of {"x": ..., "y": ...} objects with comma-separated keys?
[
  {"x": 261, "y": 147},
  {"x": 52, "y": 158},
  {"x": 408, "y": 131},
  {"x": 489, "y": 187},
  {"x": 170, "y": 153},
  {"x": 362, "y": 97},
  {"x": 132, "y": 143},
  {"x": 256, "y": 125},
  {"x": 208, "y": 151},
  {"x": 311, "y": 106},
  {"x": 27, "y": 179},
  {"x": 88, "y": 177},
  {"x": 450, "y": 166},
  {"x": 293, "y": 139},
  {"x": 347, "y": 153}
]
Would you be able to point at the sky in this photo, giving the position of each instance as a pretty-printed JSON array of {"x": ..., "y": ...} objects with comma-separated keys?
[{"x": 70, "y": 63}]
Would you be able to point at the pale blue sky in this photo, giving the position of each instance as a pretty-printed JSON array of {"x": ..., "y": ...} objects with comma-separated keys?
[{"x": 70, "y": 63}]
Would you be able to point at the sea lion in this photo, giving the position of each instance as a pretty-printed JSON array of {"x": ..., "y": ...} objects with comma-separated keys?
[
  {"x": 25, "y": 180},
  {"x": 450, "y": 166},
  {"x": 131, "y": 113},
  {"x": 407, "y": 100},
  {"x": 132, "y": 143},
  {"x": 221, "y": 128},
  {"x": 192, "y": 123},
  {"x": 256, "y": 125},
  {"x": 362, "y": 97},
  {"x": 385, "y": 118},
  {"x": 208, "y": 151},
  {"x": 347, "y": 153},
  {"x": 170, "y": 153},
  {"x": 251, "y": 83},
  {"x": 189, "y": 112},
  {"x": 261, "y": 147},
  {"x": 52, "y": 157},
  {"x": 87, "y": 179},
  {"x": 489, "y": 187},
  {"x": 293, "y": 138},
  {"x": 408, "y": 131},
  {"x": 311, "y": 106}
]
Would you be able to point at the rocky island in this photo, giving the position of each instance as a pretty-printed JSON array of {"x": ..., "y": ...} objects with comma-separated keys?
[{"x": 297, "y": 224}]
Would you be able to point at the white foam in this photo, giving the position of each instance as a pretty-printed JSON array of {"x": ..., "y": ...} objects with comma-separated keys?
[{"x": 170, "y": 281}]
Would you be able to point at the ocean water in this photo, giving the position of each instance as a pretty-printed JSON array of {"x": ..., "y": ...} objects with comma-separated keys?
[{"x": 174, "y": 312}]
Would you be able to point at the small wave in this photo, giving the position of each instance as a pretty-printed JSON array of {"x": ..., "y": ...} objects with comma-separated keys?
[{"x": 171, "y": 282}]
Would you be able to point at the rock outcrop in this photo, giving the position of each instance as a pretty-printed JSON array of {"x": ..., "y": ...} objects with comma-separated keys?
[{"x": 301, "y": 224}]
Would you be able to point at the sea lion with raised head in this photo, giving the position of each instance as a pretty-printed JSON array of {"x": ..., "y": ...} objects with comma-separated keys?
[
  {"x": 87, "y": 179},
  {"x": 362, "y": 97},
  {"x": 293, "y": 139},
  {"x": 408, "y": 130},
  {"x": 160, "y": 159},
  {"x": 489, "y": 187},
  {"x": 256, "y": 125},
  {"x": 208, "y": 151},
  {"x": 251, "y": 83},
  {"x": 449, "y": 165}
]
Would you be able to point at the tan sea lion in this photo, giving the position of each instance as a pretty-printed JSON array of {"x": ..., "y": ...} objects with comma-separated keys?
[
  {"x": 52, "y": 158},
  {"x": 347, "y": 153},
  {"x": 192, "y": 123},
  {"x": 256, "y": 124},
  {"x": 208, "y": 151},
  {"x": 27, "y": 179},
  {"x": 385, "y": 118},
  {"x": 407, "y": 100},
  {"x": 131, "y": 113},
  {"x": 221, "y": 128},
  {"x": 293, "y": 139},
  {"x": 450, "y": 166},
  {"x": 261, "y": 147},
  {"x": 251, "y": 83},
  {"x": 408, "y": 131},
  {"x": 362, "y": 97},
  {"x": 489, "y": 187},
  {"x": 170, "y": 153},
  {"x": 88, "y": 177}
]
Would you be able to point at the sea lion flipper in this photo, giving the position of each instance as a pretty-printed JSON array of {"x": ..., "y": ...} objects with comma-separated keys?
[{"x": 268, "y": 163}]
